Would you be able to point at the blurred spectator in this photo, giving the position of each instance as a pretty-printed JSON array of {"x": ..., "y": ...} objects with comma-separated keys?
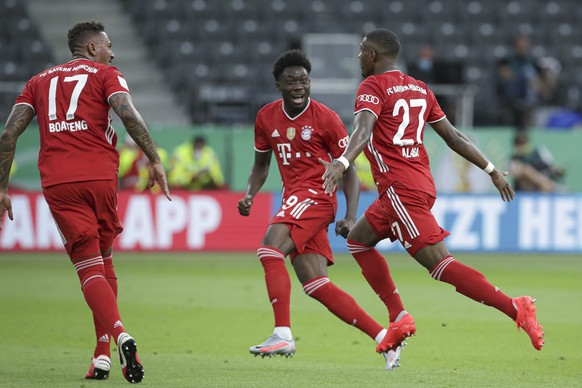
[
  {"x": 423, "y": 67},
  {"x": 134, "y": 166},
  {"x": 365, "y": 177},
  {"x": 454, "y": 174},
  {"x": 533, "y": 168},
  {"x": 13, "y": 169},
  {"x": 434, "y": 71},
  {"x": 195, "y": 166},
  {"x": 523, "y": 82}
]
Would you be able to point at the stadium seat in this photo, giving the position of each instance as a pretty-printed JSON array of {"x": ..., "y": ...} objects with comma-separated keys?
[{"x": 200, "y": 42}]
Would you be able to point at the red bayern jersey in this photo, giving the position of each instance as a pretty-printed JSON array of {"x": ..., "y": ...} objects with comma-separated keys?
[
  {"x": 402, "y": 105},
  {"x": 77, "y": 140},
  {"x": 299, "y": 142}
]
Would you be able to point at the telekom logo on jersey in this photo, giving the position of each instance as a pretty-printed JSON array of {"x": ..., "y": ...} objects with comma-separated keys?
[{"x": 285, "y": 150}]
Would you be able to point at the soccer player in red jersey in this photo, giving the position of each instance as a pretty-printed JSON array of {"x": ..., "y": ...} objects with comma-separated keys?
[
  {"x": 78, "y": 166},
  {"x": 391, "y": 110},
  {"x": 299, "y": 131}
]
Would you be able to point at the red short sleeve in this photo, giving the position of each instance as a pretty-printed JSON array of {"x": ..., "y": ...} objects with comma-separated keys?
[{"x": 369, "y": 97}]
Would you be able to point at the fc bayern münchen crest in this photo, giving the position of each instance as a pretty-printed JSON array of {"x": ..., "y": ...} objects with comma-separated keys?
[
  {"x": 290, "y": 133},
  {"x": 306, "y": 132}
]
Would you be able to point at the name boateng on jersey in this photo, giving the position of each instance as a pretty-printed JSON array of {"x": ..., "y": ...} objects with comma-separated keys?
[{"x": 77, "y": 140}]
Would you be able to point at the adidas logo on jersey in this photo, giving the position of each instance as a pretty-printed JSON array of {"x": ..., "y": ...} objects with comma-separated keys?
[
  {"x": 281, "y": 214},
  {"x": 407, "y": 245},
  {"x": 275, "y": 133}
]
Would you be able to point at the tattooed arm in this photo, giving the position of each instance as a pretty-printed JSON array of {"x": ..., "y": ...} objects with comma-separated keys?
[
  {"x": 17, "y": 122},
  {"x": 137, "y": 129},
  {"x": 134, "y": 124}
]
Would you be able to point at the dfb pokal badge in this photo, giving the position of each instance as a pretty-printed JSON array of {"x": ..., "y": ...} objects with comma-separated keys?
[
  {"x": 306, "y": 132},
  {"x": 290, "y": 133}
]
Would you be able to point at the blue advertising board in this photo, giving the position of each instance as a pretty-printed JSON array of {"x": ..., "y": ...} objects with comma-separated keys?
[{"x": 539, "y": 223}]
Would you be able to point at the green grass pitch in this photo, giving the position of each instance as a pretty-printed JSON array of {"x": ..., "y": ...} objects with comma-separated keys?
[{"x": 194, "y": 315}]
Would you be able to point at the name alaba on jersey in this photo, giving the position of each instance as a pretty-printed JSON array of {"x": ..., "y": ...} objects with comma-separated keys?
[
  {"x": 402, "y": 105},
  {"x": 299, "y": 142}
]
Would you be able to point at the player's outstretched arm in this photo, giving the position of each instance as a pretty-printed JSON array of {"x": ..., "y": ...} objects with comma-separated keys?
[
  {"x": 462, "y": 145},
  {"x": 257, "y": 178},
  {"x": 363, "y": 125},
  {"x": 158, "y": 174},
  {"x": 17, "y": 122},
  {"x": 352, "y": 193},
  {"x": 136, "y": 127}
]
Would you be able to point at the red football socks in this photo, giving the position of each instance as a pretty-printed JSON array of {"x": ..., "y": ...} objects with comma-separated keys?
[
  {"x": 341, "y": 304},
  {"x": 472, "y": 284},
  {"x": 102, "y": 302},
  {"x": 103, "y": 338},
  {"x": 98, "y": 293},
  {"x": 376, "y": 271},
  {"x": 278, "y": 284}
]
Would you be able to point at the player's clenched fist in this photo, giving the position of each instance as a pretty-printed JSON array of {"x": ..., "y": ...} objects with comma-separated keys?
[
  {"x": 244, "y": 205},
  {"x": 5, "y": 205}
]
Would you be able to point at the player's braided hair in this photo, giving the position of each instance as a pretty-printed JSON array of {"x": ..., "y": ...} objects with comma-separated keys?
[
  {"x": 80, "y": 31},
  {"x": 290, "y": 58},
  {"x": 385, "y": 41}
]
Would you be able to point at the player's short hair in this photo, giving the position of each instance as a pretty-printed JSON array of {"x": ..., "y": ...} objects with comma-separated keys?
[
  {"x": 79, "y": 33},
  {"x": 290, "y": 58},
  {"x": 385, "y": 41}
]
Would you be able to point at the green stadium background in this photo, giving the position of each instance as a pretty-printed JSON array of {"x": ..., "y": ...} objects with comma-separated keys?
[{"x": 234, "y": 147}]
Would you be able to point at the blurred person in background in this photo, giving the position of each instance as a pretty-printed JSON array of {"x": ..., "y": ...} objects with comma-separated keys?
[
  {"x": 365, "y": 176},
  {"x": 523, "y": 84},
  {"x": 423, "y": 66},
  {"x": 13, "y": 169},
  {"x": 195, "y": 166},
  {"x": 533, "y": 168},
  {"x": 78, "y": 165},
  {"x": 391, "y": 110},
  {"x": 299, "y": 131},
  {"x": 134, "y": 167},
  {"x": 434, "y": 71}
]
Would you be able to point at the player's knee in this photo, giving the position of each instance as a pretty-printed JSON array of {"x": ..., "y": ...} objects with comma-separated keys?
[
  {"x": 355, "y": 247},
  {"x": 312, "y": 285},
  {"x": 84, "y": 244},
  {"x": 86, "y": 257},
  {"x": 89, "y": 269},
  {"x": 269, "y": 253}
]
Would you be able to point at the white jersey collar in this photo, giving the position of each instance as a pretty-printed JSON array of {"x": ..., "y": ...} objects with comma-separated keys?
[{"x": 303, "y": 111}]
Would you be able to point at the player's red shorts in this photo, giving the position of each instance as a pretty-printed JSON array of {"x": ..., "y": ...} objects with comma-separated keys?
[
  {"x": 404, "y": 215},
  {"x": 85, "y": 210},
  {"x": 308, "y": 214}
]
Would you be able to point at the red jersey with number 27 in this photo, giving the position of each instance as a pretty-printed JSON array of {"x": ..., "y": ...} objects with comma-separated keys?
[
  {"x": 402, "y": 105},
  {"x": 299, "y": 142},
  {"x": 77, "y": 140}
]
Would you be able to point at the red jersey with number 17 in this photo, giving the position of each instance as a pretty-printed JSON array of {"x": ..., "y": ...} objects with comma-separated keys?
[
  {"x": 77, "y": 140},
  {"x": 403, "y": 105},
  {"x": 299, "y": 142}
]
